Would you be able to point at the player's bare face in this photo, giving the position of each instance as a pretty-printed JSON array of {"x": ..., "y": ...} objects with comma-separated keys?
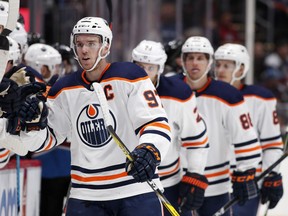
[
  {"x": 151, "y": 70},
  {"x": 87, "y": 48},
  {"x": 196, "y": 65},
  {"x": 224, "y": 70}
]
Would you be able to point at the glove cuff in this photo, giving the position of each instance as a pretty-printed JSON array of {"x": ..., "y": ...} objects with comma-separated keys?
[
  {"x": 241, "y": 177},
  {"x": 153, "y": 150},
  {"x": 196, "y": 180}
]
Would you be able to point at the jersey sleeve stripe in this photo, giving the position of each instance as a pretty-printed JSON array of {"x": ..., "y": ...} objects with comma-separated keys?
[
  {"x": 3, "y": 155},
  {"x": 238, "y": 145},
  {"x": 98, "y": 178},
  {"x": 155, "y": 124},
  {"x": 248, "y": 157},
  {"x": 194, "y": 137},
  {"x": 247, "y": 150},
  {"x": 189, "y": 144},
  {"x": 158, "y": 120},
  {"x": 176, "y": 168},
  {"x": 270, "y": 139},
  {"x": 278, "y": 144},
  {"x": 216, "y": 174}
]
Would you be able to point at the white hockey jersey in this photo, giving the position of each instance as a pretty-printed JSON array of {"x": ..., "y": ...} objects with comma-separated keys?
[
  {"x": 97, "y": 163},
  {"x": 227, "y": 117},
  {"x": 262, "y": 107},
  {"x": 187, "y": 130}
]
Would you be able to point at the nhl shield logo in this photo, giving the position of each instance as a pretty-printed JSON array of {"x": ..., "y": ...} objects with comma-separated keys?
[{"x": 91, "y": 127}]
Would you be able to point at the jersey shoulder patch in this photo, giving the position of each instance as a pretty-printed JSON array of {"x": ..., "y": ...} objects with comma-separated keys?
[
  {"x": 173, "y": 87},
  {"x": 255, "y": 90},
  {"x": 124, "y": 70}
]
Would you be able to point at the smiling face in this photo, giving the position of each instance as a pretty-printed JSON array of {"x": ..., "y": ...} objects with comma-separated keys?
[
  {"x": 195, "y": 64},
  {"x": 87, "y": 48}
]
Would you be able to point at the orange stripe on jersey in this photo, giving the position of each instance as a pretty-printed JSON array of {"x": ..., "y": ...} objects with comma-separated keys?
[
  {"x": 98, "y": 178},
  {"x": 247, "y": 150},
  {"x": 223, "y": 101},
  {"x": 170, "y": 172},
  {"x": 124, "y": 79},
  {"x": 195, "y": 143},
  {"x": 277, "y": 144},
  {"x": 259, "y": 170},
  {"x": 49, "y": 145},
  {"x": 155, "y": 124},
  {"x": 64, "y": 89},
  {"x": 217, "y": 174},
  {"x": 5, "y": 154}
]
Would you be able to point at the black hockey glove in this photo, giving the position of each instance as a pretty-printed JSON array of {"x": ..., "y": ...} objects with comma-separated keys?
[
  {"x": 244, "y": 185},
  {"x": 32, "y": 115},
  {"x": 21, "y": 75},
  {"x": 191, "y": 191},
  {"x": 272, "y": 189},
  {"x": 146, "y": 158},
  {"x": 12, "y": 95}
]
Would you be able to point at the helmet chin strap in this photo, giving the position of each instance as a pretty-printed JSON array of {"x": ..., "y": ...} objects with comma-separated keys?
[
  {"x": 203, "y": 75},
  {"x": 97, "y": 60}
]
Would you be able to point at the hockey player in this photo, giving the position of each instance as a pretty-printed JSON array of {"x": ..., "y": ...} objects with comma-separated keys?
[
  {"x": 187, "y": 128},
  {"x": 232, "y": 65},
  {"x": 226, "y": 115},
  {"x": 102, "y": 181}
]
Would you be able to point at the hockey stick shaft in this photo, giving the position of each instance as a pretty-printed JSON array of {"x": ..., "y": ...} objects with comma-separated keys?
[
  {"x": 229, "y": 204},
  {"x": 105, "y": 110}
]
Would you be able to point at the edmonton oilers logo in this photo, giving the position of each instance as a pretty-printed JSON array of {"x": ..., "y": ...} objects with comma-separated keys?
[{"x": 91, "y": 127}]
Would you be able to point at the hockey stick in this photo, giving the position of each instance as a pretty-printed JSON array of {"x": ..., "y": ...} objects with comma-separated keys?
[
  {"x": 105, "y": 110},
  {"x": 229, "y": 204},
  {"x": 4, "y": 43}
]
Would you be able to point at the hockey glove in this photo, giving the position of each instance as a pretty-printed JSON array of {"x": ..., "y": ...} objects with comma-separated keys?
[
  {"x": 244, "y": 185},
  {"x": 32, "y": 116},
  {"x": 20, "y": 75},
  {"x": 272, "y": 189},
  {"x": 12, "y": 96},
  {"x": 146, "y": 157},
  {"x": 191, "y": 191}
]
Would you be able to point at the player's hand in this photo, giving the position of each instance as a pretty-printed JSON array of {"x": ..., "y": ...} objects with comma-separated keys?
[
  {"x": 244, "y": 185},
  {"x": 32, "y": 115},
  {"x": 12, "y": 95},
  {"x": 191, "y": 192},
  {"x": 20, "y": 75},
  {"x": 272, "y": 189},
  {"x": 146, "y": 158}
]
